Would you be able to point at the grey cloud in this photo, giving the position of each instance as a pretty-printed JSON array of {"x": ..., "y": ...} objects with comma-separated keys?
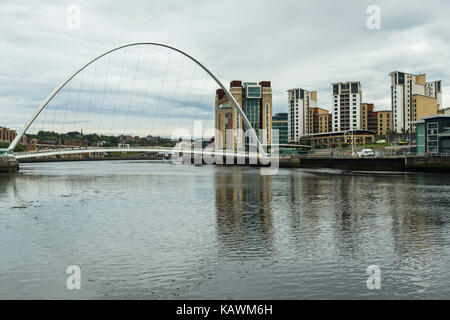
[{"x": 291, "y": 43}]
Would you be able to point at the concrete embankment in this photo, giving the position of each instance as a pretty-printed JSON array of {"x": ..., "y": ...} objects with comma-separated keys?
[
  {"x": 431, "y": 164},
  {"x": 422, "y": 164},
  {"x": 419, "y": 164},
  {"x": 8, "y": 164}
]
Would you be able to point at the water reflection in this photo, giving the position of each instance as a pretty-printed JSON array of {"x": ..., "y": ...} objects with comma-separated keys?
[
  {"x": 244, "y": 212},
  {"x": 165, "y": 231}
]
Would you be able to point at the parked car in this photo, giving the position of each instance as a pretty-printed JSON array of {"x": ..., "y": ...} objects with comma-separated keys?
[{"x": 366, "y": 153}]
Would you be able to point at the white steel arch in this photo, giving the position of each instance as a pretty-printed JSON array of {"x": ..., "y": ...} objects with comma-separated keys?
[{"x": 62, "y": 84}]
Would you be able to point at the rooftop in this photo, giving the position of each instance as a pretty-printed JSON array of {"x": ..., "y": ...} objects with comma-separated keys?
[{"x": 435, "y": 116}]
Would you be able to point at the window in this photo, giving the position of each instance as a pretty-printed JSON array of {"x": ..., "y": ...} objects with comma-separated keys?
[
  {"x": 432, "y": 128},
  {"x": 335, "y": 89},
  {"x": 401, "y": 78},
  {"x": 432, "y": 139},
  {"x": 253, "y": 91}
]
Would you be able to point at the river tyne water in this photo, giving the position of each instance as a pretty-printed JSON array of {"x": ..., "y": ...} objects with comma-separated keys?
[{"x": 149, "y": 230}]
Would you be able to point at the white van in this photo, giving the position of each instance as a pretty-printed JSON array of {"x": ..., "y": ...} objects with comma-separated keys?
[{"x": 366, "y": 153}]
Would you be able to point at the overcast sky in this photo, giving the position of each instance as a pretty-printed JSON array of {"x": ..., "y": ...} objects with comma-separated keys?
[{"x": 307, "y": 44}]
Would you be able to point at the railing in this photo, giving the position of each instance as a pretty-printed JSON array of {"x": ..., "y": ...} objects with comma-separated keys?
[
  {"x": 438, "y": 155},
  {"x": 170, "y": 150},
  {"x": 93, "y": 149}
]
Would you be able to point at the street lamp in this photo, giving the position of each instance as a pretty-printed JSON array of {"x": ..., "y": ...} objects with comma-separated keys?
[{"x": 353, "y": 140}]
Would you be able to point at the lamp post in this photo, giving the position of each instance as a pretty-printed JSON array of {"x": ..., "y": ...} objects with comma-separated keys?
[{"x": 353, "y": 140}]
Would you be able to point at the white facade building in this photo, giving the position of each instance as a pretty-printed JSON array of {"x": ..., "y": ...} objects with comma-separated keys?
[
  {"x": 346, "y": 106},
  {"x": 403, "y": 87},
  {"x": 299, "y": 103}
]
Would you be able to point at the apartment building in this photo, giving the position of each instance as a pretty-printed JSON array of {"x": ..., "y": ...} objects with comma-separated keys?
[
  {"x": 7, "y": 135},
  {"x": 300, "y": 101},
  {"x": 369, "y": 120},
  {"x": 384, "y": 120},
  {"x": 255, "y": 100},
  {"x": 319, "y": 120},
  {"x": 346, "y": 106},
  {"x": 412, "y": 97},
  {"x": 379, "y": 122}
]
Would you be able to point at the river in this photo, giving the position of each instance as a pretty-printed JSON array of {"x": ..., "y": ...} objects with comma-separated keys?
[{"x": 155, "y": 230}]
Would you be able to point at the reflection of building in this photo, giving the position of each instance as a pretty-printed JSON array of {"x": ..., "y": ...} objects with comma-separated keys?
[
  {"x": 338, "y": 138},
  {"x": 346, "y": 104},
  {"x": 412, "y": 98},
  {"x": 243, "y": 209},
  {"x": 433, "y": 135},
  {"x": 300, "y": 101},
  {"x": 256, "y": 102},
  {"x": 280, "y": 123}
]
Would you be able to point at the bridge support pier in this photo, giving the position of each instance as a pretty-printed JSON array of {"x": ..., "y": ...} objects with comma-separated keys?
[{"x": 8, "y": 164}]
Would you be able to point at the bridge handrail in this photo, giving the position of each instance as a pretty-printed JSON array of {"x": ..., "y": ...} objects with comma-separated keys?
[{"x": 67, "y": 151}]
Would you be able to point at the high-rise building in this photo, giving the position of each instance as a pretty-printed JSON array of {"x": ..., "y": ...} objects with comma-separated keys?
[
  {"x": 280, "y": 123},
  {"x": 256, "y": 102},
  {"x": 319, "y": 120},
  {"x": 346, "y": 106},
  {"x": 412, "y": 98},
  {"x": 299, "y": 103}
]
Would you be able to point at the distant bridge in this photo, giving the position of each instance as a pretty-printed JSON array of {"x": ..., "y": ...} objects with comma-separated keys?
[
  {"x": 46, "y": 101},
  {"x": 171, "y": 151}
]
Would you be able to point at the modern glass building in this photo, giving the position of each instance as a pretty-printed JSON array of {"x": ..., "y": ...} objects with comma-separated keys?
[
  {"x": 280, "y": 123},
  {"x": 433, "y": 135}
]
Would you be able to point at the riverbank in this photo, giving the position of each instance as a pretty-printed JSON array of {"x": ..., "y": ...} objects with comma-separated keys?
[{"x": 415, "y": 164}]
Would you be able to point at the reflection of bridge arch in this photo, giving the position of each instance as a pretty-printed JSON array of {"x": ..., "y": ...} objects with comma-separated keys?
[{"x": 58, "y": 88}]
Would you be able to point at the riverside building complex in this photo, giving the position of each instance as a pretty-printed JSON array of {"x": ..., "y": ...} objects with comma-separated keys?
[{"x": 412, "y": 98}]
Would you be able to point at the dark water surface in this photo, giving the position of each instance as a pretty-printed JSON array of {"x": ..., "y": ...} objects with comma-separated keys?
[{"x": 142, "y": 230}]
